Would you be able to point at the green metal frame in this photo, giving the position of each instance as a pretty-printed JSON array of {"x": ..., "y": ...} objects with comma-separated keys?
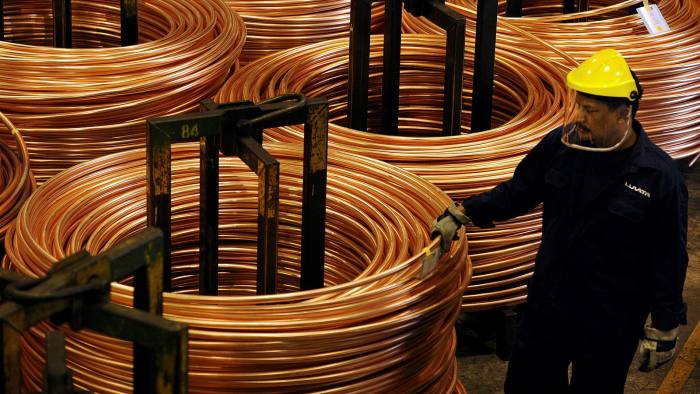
[
  {"x": 236, "y": 129},
  {"x": 160, "y": 346}
]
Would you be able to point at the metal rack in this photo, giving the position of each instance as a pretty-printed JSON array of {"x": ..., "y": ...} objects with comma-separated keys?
[
  {"x": 77, "y": 290},
  {"x": 454, "y": 25},
  {"x": 235, "y": 129},
  {"x": 360, "y": 19}
]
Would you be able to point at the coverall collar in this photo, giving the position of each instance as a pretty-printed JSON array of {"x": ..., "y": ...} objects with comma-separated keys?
[{"x": 640, "y": 158}]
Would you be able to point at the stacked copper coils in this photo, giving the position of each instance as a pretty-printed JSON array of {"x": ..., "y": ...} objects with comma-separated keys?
[
  {"x": 16, "y": 180},
  {"x": 379, "y": 324},
  {"x": 277, "y": 25},
  {"x": 668, "y": 64},
  {"x": 528, "y": 99},
  {"x": 76, "y": 104}
]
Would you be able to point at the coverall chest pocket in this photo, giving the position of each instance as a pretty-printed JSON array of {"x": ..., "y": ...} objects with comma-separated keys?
[
  {"x": 555, "y": 179},
  {"x": 625, "y": 212},
  {"x": 556, "y": 183},
  {"x": 624, "y": 230},
  {"x": 625, "y": 223}
]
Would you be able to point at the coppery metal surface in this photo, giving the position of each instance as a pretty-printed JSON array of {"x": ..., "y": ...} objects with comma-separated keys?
[
  {"x": 668, "y": 64},
  {"x": 278, "y": 25},
  {"x": 76, "y": 104},
  {"x": 375, "y": 327},
  {"x": 16, "y": 180},
  {"x": 527, "y": 104}
]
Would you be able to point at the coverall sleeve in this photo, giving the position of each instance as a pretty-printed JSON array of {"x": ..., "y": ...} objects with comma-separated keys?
[
  {"x": 514, "y": 197},
  {"x": 668, "y": 310}
]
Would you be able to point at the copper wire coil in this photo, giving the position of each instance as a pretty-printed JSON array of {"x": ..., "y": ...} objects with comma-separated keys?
[
  {"x": 667, "y": 64},
  {"x": 77, "y": 104},
  {"x": 278, "y": 25},
  {"x": 375, "y": 327},
  {"x": 16, "y": 179},
  {"x": 527, "y": 104}
]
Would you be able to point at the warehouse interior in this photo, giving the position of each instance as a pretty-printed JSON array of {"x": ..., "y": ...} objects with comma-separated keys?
[{"x": 216, "y": 196}]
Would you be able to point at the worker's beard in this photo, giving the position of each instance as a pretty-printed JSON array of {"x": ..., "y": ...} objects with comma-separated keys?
[{"x": 581, "y": 135}]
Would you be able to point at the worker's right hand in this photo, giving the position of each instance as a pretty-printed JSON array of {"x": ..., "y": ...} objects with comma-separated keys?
[{"x": 447, "y": 224}]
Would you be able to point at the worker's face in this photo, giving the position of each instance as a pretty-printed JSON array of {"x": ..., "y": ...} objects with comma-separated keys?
[{"x": 596, "y": 124}]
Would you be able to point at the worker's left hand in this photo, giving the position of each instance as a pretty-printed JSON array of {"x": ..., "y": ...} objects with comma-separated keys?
[{"x": 657, "y": 347}]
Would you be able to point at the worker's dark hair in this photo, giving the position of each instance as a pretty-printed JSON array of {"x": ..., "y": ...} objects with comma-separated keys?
[{"x": 617, "y": 102}]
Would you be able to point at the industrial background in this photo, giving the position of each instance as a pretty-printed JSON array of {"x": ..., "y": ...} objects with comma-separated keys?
[{"x": 216, "y": 196}]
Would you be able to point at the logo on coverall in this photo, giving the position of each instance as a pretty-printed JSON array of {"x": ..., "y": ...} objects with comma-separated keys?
[{"x": 638, "y": 190}]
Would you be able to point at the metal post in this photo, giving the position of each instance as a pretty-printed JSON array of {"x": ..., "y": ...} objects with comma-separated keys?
[
  {"x": 62, "y": 21},
  {"x": 209, "y": 215},
  {"x": 148, "y": 288},
  {"x": 267, "y": 168},
  {"x": 158, "y": 193},
  {"x": 484, "y": 59},
  {"x": 11, "y": 341},
  {"x": 391, "y": 67},
  {"x": 569, "y": 6},
  {"x": 514, "y": 8},
  {"x": 129, "y": 22},
  {"x": 454, "y": 74},
  {"x": 582, "y": 5},
  {"x": 57, "y": 378},
  {"x": 454, "y": 25},
  {"x": 358, "y": 70},
  {"x": 166, "y": 341},
  {"x": 313, "y": 211},
  {"x": 162, "y": 132},
  {"x": 2, "y": 20}
]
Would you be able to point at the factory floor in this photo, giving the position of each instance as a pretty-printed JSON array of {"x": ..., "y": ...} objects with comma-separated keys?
[{"x": 481, "y": 371}]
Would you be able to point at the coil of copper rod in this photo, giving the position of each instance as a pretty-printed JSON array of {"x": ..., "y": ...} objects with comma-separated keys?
[
  {"x": 76, "y": 104},
  {"x": 376, "y": 327},
  {"x": 16, "y": 179},
  {"x": 527, "y": 104},
  {"x": 668, "y": 64},
  {"x": 277, "y": 25}
]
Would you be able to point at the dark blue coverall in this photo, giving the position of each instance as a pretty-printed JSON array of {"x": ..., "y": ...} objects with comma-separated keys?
[{"x": 614, "y": 232}]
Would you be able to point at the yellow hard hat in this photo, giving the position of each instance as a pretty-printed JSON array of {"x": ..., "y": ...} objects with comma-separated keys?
[{"x": 605, "y": 73}]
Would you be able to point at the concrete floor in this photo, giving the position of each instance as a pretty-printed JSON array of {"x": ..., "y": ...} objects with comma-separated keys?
[{"x": 481, "y": 371}]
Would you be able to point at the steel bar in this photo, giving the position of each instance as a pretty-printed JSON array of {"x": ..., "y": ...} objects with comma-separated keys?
[
  {"x": 2, "y": 20},
  {"x": 58, "y": 379},
  {"x": 209, "y": 217},
  {"x": 484, "y": 59},
  {"x": 514, "y": 8},
  {"x": 390, "y": 68},
  {"x": 164, "y": 341},
  {"x": 454, "y": 72},
  {"x": 62, "y": 24},
  {"x": 209, "y": 210},
  {"x": 358, "y": 77},
  {"x": 267, "y": 169},
  {"x": 129, "y": 22},
  {"x": 570, "y": 6},
  {"x": 313, "y": 210},
  {"x": 162, "y": 133}
]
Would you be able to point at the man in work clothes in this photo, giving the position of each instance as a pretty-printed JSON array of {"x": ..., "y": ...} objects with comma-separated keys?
[{"x": 613, "y": 244}]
